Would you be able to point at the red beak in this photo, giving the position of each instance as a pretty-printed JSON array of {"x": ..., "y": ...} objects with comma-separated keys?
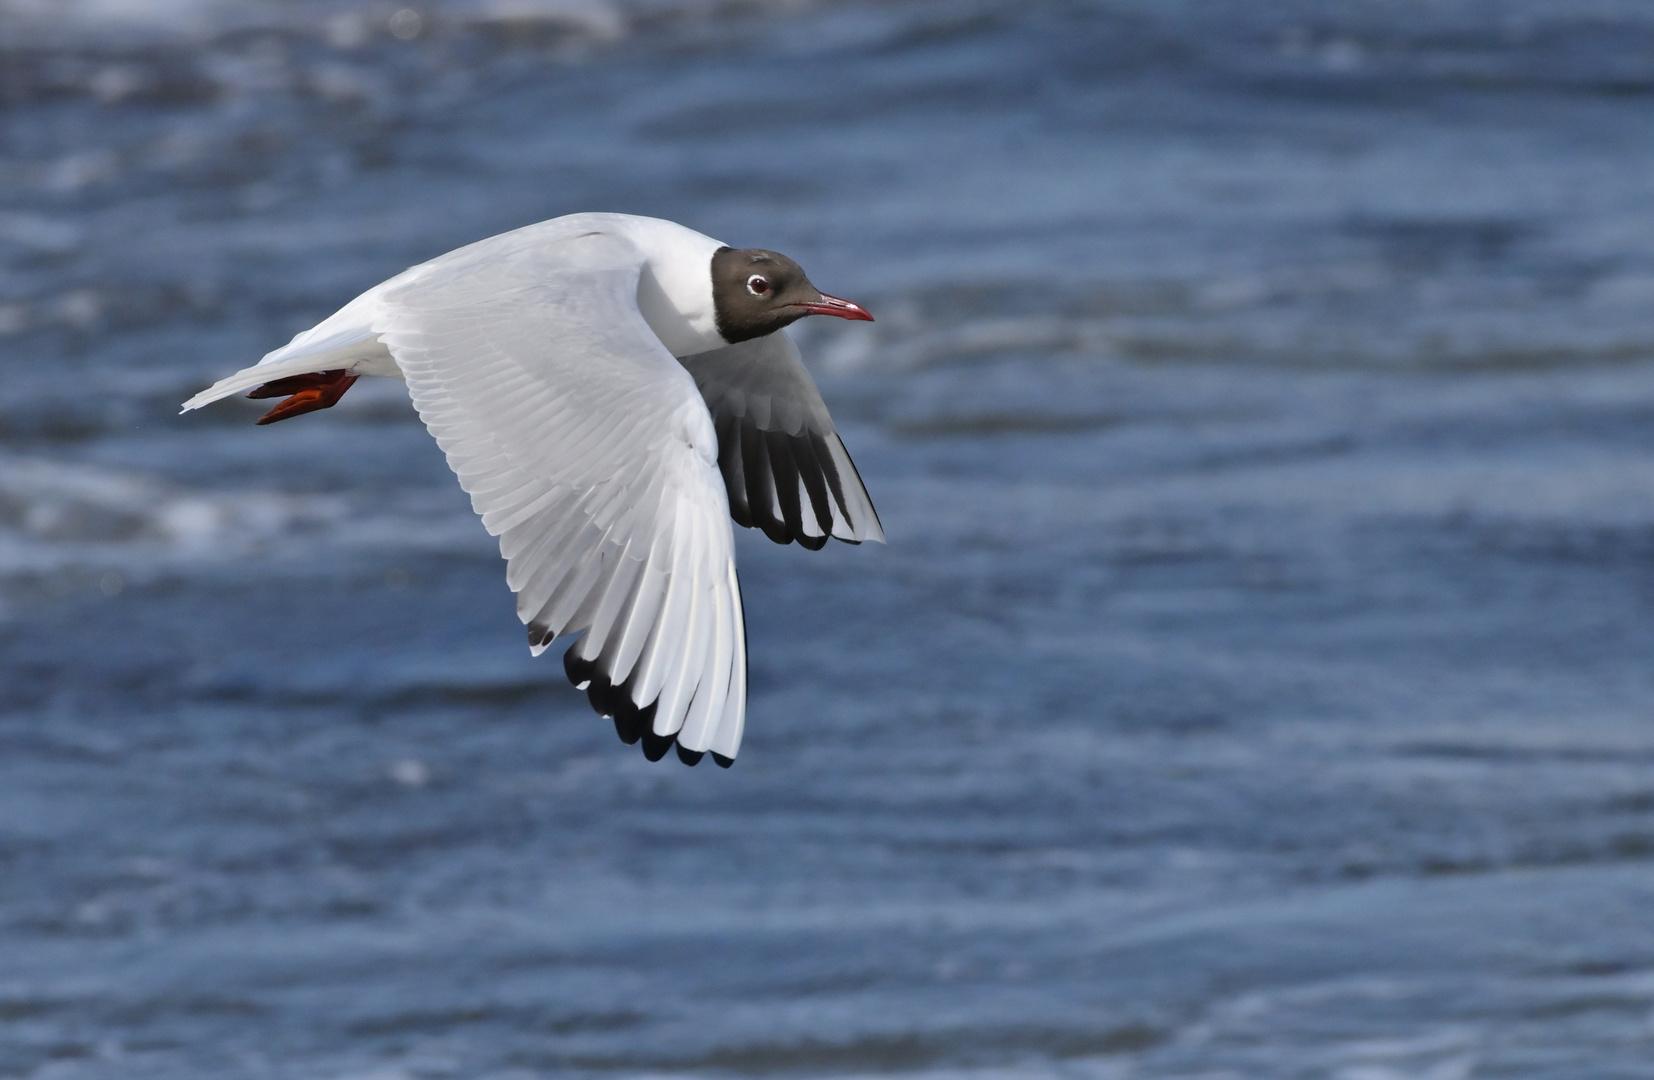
[{"x": 832, "y": 305}]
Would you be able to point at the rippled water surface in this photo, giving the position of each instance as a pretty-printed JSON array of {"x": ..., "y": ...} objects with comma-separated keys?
[{"x": 1256, "y": 683}]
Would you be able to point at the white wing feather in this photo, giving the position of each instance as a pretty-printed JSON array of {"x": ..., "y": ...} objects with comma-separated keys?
[{"x": 586, "y": 448}]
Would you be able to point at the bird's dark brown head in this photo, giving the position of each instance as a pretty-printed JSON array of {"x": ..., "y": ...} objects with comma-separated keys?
[{"x": 757, "y": 292}]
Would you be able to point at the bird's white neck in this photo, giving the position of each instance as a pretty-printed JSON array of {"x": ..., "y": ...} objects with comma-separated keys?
[{"x": 674, "y": 294}]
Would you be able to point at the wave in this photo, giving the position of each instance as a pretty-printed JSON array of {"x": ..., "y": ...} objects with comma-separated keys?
[
  {"x": 339, "y": 23},
  {"x": 56, "y": 517}
]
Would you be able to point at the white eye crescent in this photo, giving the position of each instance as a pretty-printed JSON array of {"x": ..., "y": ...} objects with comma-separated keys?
[{"x": 758, "y": 285}]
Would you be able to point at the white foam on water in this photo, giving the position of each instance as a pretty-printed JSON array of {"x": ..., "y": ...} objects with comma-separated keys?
[
  {"x": 55, "y": 515},
  {"x": 122, "y": 527},
  {"x": 68, "y": 19},
  {"x": 342, "y": 23}
]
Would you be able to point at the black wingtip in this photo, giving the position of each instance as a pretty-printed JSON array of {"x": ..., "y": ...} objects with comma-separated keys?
[
  {"x": 656, "y": 746},
  {"x": 632, "y": 724},
  {"x": 723, "y": 762},
  {"x": 603, "y": 696},
  {"x": 579, "y": 670}
]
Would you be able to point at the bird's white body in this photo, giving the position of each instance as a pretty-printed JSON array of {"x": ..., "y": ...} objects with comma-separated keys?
[
  {"x": 545, "y": 361},
  {"x": 674, "y": 296}
]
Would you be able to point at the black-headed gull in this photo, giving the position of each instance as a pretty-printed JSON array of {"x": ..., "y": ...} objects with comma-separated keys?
[{"x": 588, "y": 378}]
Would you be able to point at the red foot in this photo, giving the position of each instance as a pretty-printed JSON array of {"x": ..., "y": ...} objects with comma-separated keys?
[{"x": 317, "y": 390}]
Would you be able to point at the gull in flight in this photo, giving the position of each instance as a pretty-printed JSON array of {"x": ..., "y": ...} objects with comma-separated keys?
[{"x": 610, "y": 391}]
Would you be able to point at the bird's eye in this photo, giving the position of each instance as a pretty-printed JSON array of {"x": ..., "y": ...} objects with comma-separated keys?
[{"x": 758, "y": 285}]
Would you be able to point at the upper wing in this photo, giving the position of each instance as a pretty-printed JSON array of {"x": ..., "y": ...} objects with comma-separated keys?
[
  {"x": 587, "y": 451},
  {"x": 783, "y": 464}
]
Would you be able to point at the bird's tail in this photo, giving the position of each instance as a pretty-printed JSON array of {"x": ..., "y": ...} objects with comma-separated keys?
[
  {"x": 342, "y": 340},
  {"x": 253, "y": 377}
]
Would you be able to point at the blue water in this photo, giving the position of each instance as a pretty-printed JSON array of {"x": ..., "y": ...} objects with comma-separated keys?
[{"x": 1257, "y": 682}]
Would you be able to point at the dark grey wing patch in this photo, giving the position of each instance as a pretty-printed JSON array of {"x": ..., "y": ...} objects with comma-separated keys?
[{"x": 785, "y": 468}]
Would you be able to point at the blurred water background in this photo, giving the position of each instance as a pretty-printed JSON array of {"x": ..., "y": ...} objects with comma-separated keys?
[{"x": 1257, "y": 682}]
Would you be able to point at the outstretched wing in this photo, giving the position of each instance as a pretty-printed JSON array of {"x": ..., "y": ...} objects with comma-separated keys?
[
  {"x": 586, "y": 449},
  {"x": 786, "y": 471}
]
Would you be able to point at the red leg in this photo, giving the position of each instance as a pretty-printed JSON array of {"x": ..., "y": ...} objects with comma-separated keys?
[
  {"x": 294, "y": 383},
  {"x": 316, "y": 390}
]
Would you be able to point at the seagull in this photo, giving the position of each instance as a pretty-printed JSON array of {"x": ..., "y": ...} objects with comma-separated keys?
[{"x": 611, "y": 391}]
